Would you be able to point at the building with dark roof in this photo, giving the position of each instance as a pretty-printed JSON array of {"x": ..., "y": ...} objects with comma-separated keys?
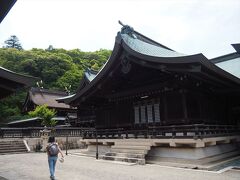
[
  {"x": 35, "y": 122},
  {"x": 145, "y": 84},
  {"x": 10, "y": 82},
  {"x": 40, "y": 96}
]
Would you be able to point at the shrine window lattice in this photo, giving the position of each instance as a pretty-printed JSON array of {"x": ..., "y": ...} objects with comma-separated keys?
[{"x": 145, "y": 113}]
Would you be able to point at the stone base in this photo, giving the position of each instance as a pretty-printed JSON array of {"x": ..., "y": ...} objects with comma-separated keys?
[
  {"x": 73, "y": 142},
  {"x": 192, "y": 153},
  {"x": 199, "y": 158}
]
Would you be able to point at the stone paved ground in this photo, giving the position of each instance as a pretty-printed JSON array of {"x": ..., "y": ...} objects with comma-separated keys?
[{"x": 33, "y": 166}]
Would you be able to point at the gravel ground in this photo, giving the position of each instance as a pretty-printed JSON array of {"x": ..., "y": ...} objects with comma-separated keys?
[{"x": 33, "y": 166}]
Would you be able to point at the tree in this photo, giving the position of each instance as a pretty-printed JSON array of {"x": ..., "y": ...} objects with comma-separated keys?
[
  {"x": 46, "y": 114},
  {"x": 13, "y": 42},
  {"x": 58, "y": 68}
]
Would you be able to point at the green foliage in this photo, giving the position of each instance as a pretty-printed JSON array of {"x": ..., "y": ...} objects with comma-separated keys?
[
  {"x": 46, "y": 114},
  {"x": 71, "y": 77},
  {"x": 58, "y": 68},
  {"x": 10, "y": 107}
]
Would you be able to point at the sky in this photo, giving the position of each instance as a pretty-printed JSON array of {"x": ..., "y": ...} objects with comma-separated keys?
[{"x": 186, "y": 26}]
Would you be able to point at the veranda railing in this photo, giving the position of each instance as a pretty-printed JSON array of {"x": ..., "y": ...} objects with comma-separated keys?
[{"x": 175, "y": 131}]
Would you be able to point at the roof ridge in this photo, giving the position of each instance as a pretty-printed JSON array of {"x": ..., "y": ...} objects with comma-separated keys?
[
  {"x": 126, "y": 29},
  {"x": 48, "y": 91}
]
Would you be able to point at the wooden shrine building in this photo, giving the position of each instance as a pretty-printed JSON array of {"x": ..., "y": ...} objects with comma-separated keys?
[
  {"x": 40, "y": 96},
  {"x": 146, "y": 84}
]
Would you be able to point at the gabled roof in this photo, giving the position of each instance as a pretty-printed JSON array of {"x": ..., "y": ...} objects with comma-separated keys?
[
  {"x": 11, "y": 81},
  {"x": 39, "y": 96},
  {"x": 133, "y": 48},
  {"x": 5, "y": 6},
  {"x": 88, "y": 76}
]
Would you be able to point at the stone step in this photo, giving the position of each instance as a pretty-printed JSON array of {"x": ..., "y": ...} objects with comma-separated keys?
[
  {"x": 131, "y": 147},
  {"x": 128, "y": 155},
  {"x": 12, "y": 147},
  {"x": 124, "y": 159},
  {"x": 12, "y": 151},
  {"x": 10, "y": 142},
  {"x": 133, "y": 143},
  {"x": 8, "y": 148},
  {"x": 137, "y": 151}
]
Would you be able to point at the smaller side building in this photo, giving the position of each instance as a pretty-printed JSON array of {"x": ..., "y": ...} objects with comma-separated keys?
[
  {"x": 40, "y": 96},
  {"x": 35, "y": 122}
]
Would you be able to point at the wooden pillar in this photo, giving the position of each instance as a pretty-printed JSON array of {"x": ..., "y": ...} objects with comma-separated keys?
[
  {"x": 165, "y": 109},
  {"x": 184, "y": 104}
]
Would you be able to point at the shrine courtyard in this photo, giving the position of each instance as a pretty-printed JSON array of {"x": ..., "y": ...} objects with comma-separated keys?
[{"x": 31, "y": 166}]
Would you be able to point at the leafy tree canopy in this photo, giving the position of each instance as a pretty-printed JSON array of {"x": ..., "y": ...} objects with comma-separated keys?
[
  {"x": 58, "y": 69},
  {"x": 45, "y": 114},
  {"x": 13, "y": 42}
]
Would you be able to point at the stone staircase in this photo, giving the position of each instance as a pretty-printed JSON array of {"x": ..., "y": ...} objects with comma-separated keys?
[
  {"x": 12, "y": 147},
  {"x": 128, "y": 151}
]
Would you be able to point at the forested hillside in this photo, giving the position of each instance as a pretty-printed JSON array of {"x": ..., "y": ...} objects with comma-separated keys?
[{"x": 57, "y": 68}]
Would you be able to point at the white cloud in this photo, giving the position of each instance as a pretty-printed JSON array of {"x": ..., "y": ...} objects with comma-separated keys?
[{"x": 187, "y": 26}]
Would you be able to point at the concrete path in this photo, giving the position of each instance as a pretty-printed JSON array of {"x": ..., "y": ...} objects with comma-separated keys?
[{"x": 33, "y": 166}]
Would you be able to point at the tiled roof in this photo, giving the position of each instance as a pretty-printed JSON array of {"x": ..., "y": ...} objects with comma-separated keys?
[
  {"x": 42, "y": 96},
  {"x": 149, "y": 49},
  {"x": 16, "y": 77}
]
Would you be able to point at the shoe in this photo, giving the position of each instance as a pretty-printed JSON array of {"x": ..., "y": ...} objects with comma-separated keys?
[{"x": 52, "y": 177}]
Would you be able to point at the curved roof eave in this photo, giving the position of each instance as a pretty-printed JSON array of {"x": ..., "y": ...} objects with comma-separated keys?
[
  {"x": 100, "y": 75},
  {"x": 178, "y": 59},
  {"x": 16, "y": 77},
  {"x": 187, "y": 59},
  {"x": 88, "y": 76},
  {"x": 164, "y": 60}
]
